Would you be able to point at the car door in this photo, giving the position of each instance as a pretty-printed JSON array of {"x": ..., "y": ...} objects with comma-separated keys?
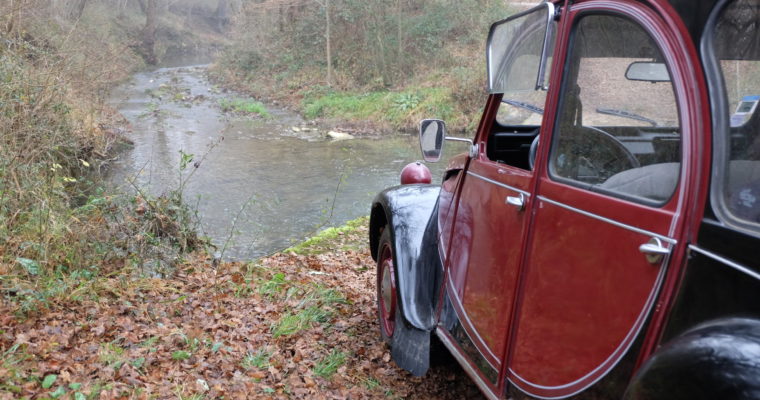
[
  {"x": 489, "y": 224},
  {"x": 609, "y": 200}
]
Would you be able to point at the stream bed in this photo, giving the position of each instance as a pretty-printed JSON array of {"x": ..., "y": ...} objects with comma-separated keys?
[{"x": 260, "y": 184}]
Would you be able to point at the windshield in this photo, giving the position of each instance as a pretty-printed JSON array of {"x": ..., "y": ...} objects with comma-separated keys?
[{"x": 519, "y": 49}]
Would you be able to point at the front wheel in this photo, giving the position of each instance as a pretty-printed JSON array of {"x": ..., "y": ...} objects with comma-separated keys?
[{"x": 387, "y": 293}]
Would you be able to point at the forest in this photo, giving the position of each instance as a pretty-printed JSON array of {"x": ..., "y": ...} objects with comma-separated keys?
[{"x": 388, "y": 61}]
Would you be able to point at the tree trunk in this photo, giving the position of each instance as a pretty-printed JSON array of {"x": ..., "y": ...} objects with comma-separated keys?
[
  {"x": 149, "y": 33},
  {"x": 399, "y": 38},
  {"x": 327, "y": 37},
  {"x": 222, "y": 15},
  {"x": 79, "y": 9},
  {"x": 11, "y": 19}
]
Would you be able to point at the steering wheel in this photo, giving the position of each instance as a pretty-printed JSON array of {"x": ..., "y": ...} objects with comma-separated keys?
[
  {"x": 588, "y": 154},
  {"x": 533, "y": 152}
]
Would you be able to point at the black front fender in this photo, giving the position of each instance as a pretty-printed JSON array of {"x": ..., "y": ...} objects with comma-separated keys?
[
  {"x": 717, "y": 360},
  {"x": 410, "y": 212}
]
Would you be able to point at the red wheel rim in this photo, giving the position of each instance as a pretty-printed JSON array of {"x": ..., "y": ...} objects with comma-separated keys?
[{"x": 386, "y": 291}]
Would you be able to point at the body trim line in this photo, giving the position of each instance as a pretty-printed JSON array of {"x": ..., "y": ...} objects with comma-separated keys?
[
  {"x": 725, "y": 261},
  {"x": 512, "y": 188},
  {"x": 610, "y": 221}
]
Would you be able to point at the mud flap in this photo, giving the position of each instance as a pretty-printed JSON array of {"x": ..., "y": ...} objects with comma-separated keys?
[{"x": 410, "y": 347}]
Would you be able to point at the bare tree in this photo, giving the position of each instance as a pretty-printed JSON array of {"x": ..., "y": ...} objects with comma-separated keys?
[
  {"x": 328, "y": 41},
  {"x": 149, "y": 31},
  {"x": 222, "y": 15},
  {"x": 78, "y": 9}
]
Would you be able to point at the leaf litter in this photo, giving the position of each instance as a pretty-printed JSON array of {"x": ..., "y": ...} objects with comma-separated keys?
[{"x": 289, "y": 326}]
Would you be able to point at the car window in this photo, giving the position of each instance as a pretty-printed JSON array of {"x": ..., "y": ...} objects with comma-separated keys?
[
  {"x": 735, "y": 44},
  {"x": 617, "y": 128}
]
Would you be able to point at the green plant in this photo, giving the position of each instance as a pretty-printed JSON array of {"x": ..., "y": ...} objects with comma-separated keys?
[
  {"x": 112, "y": 355},
  {"x": 243, "y": 106},
  {"x": 371, "y": 383},
  {"x": 180, "y": 355},
  {"x": 150, "y": 343},
  {"x": 407, "y": 101},
  {"x": 330, "y": 364},
  {"x": 11, "y": 361},
  {"x": 259, "y": 359},
  {"x": 273, "y": 286},
  {"x": 291, "y": 323},
  {"x": 323, "y": 296}
]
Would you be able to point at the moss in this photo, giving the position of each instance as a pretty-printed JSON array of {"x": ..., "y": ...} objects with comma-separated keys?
[{"x": 329, "y": 237}]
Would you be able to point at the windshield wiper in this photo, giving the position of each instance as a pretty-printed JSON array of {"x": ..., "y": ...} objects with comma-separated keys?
[
  {"x": 626, "y": 114},
  {"x": 522, "y": 104}
]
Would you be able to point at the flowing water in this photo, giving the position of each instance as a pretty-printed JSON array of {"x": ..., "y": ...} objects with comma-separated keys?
[{"x": 259, "y": 184}]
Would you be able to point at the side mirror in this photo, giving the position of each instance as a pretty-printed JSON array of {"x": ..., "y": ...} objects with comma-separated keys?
[{"x": 432, "y": 134}]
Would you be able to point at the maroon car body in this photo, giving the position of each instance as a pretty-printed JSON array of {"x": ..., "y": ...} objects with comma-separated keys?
[{"x": 591, "y": 243}]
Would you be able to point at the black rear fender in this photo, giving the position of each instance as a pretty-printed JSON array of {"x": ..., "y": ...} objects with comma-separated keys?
[
  {"x": 410, "y": 212},
  {"x": 717, "y": 360}
]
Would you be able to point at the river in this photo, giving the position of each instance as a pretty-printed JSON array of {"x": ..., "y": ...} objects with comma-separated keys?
[{"x": 260, "y": 185}]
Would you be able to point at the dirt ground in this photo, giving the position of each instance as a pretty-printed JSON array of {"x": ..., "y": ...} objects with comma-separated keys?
[{"x": 287, "y": 326}]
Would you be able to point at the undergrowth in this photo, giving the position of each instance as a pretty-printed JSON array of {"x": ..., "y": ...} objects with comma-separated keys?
[
  {"x": 61, "y": 228},
  {"x": 399, "y": 110}
]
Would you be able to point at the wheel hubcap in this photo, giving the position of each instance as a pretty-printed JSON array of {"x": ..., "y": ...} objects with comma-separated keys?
[{"x": 387, "y": 292}]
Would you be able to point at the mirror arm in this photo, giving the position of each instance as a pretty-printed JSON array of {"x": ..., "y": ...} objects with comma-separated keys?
[{"x": 473, "y": 149}]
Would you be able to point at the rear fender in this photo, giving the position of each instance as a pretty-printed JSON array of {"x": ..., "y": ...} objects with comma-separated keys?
[
  {"x": 717, "y": 360},
  {"x": 410, "y": 211}
]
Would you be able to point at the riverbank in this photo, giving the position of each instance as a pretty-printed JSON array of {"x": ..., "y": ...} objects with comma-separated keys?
[
  {"x": 292, "y": 325},
  {"x": 61, "y": 226},
  {"x": 362, "y": 111}
]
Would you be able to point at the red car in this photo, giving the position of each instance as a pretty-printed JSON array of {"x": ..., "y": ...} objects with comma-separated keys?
[{"x": 601, "y": 236}]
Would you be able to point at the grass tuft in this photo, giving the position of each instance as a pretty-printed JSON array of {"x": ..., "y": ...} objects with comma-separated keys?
[
  {"x": 290, "y": 324},
  {"x": 330, "y": 364},
  {"x": 242, "y": 106},
  {"x": 259, "y": 359}
]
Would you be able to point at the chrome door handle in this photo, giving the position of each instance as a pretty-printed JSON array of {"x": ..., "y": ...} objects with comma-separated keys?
[
  {"x": 654, "y": 250},
  {"x": 517, "y": 201}
]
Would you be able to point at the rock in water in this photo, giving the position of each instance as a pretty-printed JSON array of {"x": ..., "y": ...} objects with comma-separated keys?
[{"x": 334, "y": 135}]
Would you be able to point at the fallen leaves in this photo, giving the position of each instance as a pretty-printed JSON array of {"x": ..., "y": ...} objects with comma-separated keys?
[{"x": 270, "y": 329}]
